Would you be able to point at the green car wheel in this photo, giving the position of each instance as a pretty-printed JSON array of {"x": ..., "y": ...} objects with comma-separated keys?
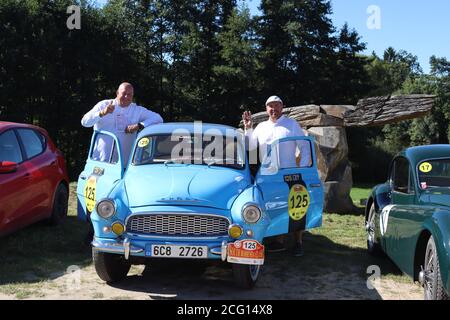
[
  {"x": 433, "y": 289},
  {"x": 373, "y": 247}
]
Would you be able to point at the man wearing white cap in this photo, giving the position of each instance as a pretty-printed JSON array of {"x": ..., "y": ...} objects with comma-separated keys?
[{"x": 276, "y": 127}]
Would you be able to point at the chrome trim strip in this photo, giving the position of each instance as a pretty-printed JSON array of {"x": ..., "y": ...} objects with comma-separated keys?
[
  {"x": 174, "y": 213},
  {"x": 179, "y": 200},
  {"x": 126, "y": 248},
  {"x": 216, "y": 250},
  {"x": 116, "y": 247},
  {"x": 173, "y": 238},
  {"x": 224, "y": 252}
]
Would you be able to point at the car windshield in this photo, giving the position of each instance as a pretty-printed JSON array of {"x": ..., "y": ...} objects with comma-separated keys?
[
  {"x": 211, "y": 150},
  {"x": 434, "y": 173}
]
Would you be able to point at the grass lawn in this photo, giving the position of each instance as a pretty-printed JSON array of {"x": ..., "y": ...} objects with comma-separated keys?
[
  {"x": 360, "y": 192},
  {"x": 41, "y": 253}
]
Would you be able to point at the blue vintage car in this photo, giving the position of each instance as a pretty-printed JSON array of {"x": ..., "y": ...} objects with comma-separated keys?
[
  {"x": 408, "y": 217},
  {"x": 188, "y": 192}
]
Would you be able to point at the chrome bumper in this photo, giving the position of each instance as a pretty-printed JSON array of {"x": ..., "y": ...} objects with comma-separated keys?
[
  {"x": 126, "y": 248},
  {"x": 117, "y": 247}
]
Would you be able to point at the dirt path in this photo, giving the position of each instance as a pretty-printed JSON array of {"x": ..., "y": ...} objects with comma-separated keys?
[{"x": 280, "y": 279}]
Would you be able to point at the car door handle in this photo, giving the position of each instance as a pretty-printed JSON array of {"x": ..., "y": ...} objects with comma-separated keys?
[
  {"x": 83, "y": 177},
  {"x": 315, "y": 185},
  {"x": 27, "y": 175}
]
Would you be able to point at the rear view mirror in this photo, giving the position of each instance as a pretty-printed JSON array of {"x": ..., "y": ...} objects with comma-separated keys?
[{"x": 8, "y": 166}]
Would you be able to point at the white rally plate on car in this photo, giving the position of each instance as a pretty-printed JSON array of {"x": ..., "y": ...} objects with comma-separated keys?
[{"x": 174, "y": 251}]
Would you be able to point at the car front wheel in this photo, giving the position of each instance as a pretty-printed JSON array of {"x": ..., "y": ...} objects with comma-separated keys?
[
  {"x": 60, "y": 204},
  {"x": 372, "y": 246},
  {"x": 432, "y": 281},
  {"x": 246, "y": 275},
  {"x": 110, "y": 267}
]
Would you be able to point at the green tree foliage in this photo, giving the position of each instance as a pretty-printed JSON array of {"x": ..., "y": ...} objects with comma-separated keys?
[
  {"x": 236, "y": 73},
  {"x": 371, "y": 149},
  {"x": 296, "y": 49},
  {"x": 51, "y": 76},
  {"x": 350, "y": 79},
  {"x": 400, "y": 73},
  {"x": 200, "y": 60}
]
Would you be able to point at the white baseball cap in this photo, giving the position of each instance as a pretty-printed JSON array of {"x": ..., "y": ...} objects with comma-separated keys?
[{"x": 273, "y": 99}]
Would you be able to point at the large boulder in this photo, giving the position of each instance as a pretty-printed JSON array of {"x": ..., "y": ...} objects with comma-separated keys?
[
  {"x": 377, "y": 111},
  {"x": 337, "y": 192},
  {"x": 334, "y": 167},
  {"x": 332, "y": 149},
  {"x": 337, "y": 110}
]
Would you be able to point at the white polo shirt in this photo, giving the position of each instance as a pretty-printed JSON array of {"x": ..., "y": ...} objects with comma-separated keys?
[
  {"x": 267, "y": 132},
  {"x": 117, "y": 121}
]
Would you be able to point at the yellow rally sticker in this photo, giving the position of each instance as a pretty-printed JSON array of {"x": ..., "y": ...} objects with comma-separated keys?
[
  {"x": 425, "y": 167},
  {"x": 143, "y": 142},
  {"x": 298, "y": 202},
  {"x": 89, "y": 193}
]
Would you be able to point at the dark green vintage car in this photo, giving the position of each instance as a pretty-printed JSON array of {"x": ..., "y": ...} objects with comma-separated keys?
[{"x": 408, "y": 217}]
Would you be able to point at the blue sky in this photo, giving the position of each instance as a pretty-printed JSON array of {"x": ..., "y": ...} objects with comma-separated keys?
[{"x": 419, "y": 27}]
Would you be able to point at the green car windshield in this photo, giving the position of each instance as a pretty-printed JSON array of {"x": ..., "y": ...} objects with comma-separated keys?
[
  {"x": 434, "y": 173},
  {"x": 212, "y": 150}
]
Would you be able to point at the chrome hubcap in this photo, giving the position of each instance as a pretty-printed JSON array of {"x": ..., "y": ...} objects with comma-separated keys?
[{"x": 428, "y": 274}]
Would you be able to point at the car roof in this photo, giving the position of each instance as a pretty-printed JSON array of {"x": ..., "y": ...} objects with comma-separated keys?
[
  {"x": 170, "y": 127},
  {"x": 4, "y": 125},
  {"x": 432, "y": 151}
]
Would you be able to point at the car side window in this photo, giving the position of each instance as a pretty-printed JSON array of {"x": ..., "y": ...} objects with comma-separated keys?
[
  {"x": 32, "y": 142},
  {"x": 289, "y": 154},
  {"x": 9, "y": 147},
  {"x": 105, "y": 149},
  {"x": 401, "y": 175}
]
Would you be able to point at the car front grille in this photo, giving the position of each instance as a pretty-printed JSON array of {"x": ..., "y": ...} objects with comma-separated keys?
[{"x": 187, "y": 225}]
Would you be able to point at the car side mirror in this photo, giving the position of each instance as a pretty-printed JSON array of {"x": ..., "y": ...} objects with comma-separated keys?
[{"x": 8, "y": 166}]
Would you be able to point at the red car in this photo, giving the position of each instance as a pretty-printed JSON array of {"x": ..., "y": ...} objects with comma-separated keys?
[{"x": 33, "y": 178}]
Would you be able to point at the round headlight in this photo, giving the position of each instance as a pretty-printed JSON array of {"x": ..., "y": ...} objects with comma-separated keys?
[
  {"x": 106, "y": 208},
  {"x": 251, "y": 214}
]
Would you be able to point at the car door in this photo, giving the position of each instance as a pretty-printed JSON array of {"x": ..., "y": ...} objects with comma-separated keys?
[
  {"x": 291, "y": 190},
  {"x": 15, "y": 187},
  {"x": 103, "y": 168},
  {"x": 38, "y": 164},
  {"x": 400, "y": 221}
]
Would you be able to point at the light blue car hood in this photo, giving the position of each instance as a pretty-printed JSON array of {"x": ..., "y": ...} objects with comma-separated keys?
[{"x": 177, "y": 184}]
